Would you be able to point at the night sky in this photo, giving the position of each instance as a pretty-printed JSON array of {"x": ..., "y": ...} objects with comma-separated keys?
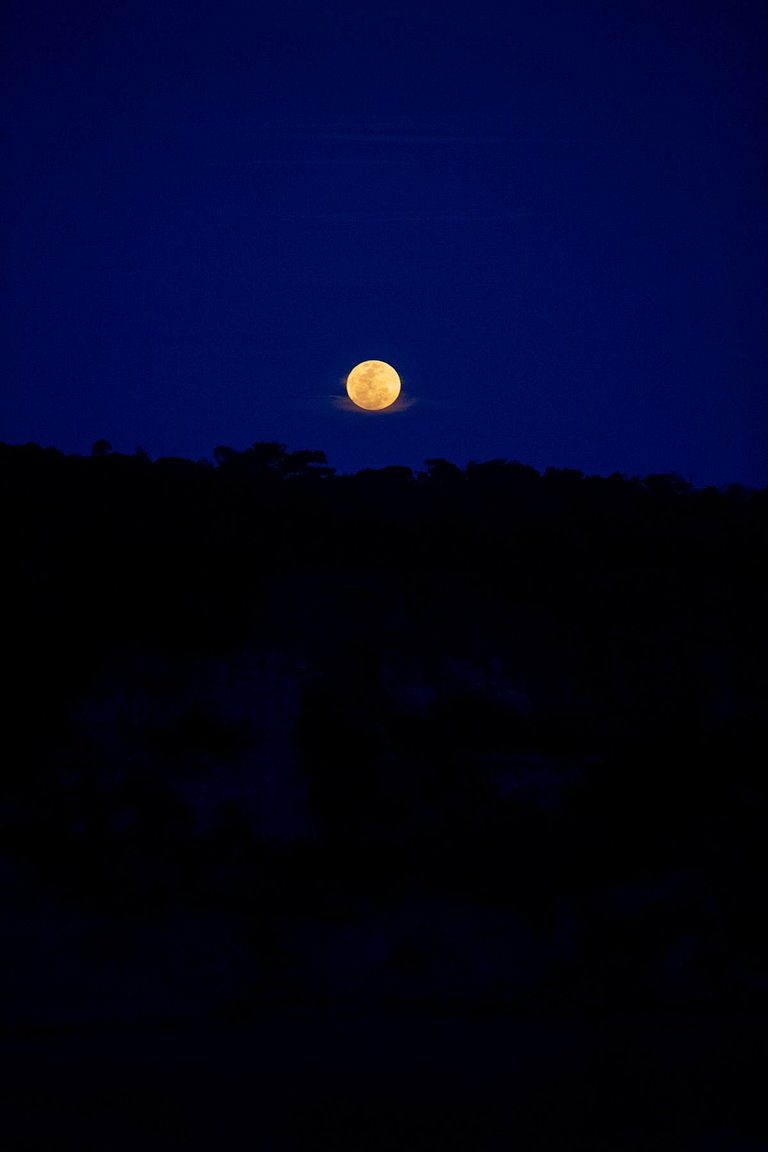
[{"x": 549, "y": 217}]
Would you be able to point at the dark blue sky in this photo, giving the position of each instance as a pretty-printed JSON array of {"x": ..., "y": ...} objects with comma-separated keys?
[{"x": 550, "y": 217}]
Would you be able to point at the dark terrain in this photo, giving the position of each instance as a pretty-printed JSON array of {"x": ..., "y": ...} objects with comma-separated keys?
[{"x": 418, "y": 810}]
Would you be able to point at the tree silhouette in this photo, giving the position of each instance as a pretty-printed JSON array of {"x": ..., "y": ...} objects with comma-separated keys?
[{"x": 540, "y": 694}]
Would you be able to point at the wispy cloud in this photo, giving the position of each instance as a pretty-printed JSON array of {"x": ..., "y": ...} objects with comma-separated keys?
[
  {"x": 402, "y": 404},
  {"x": 426, "y": 134},
  {"x": 410, "y": 217}
]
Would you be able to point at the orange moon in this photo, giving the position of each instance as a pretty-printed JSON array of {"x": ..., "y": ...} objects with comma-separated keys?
[{"x": 373, "y": 385}]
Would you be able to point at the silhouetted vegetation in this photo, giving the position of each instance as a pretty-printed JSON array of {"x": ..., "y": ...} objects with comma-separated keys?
[{"x": 478, "y": 734}]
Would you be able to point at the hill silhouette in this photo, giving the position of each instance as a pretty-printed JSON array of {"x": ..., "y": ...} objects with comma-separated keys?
[{"x": 475, "y": 735}]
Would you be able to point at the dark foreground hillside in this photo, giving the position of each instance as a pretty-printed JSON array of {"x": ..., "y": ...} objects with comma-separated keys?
[{"x": 391, "y": 780}]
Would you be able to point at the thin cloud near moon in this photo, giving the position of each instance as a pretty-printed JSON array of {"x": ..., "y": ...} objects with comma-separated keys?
[{"x": 344, "y": 404}]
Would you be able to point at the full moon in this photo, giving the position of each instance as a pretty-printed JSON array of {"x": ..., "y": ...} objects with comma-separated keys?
[{"x": 373, "y": 385}]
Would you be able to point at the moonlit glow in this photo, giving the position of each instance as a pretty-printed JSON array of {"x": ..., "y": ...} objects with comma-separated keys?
[{"x": 373, "y": 385}]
